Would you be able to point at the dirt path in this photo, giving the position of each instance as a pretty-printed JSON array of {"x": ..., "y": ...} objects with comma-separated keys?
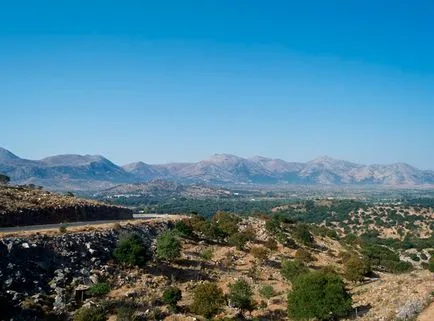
[{"x": 427, "y": 314}]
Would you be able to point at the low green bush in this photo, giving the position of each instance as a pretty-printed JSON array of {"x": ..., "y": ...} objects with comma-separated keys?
[
  {"x": 99, "y": 289},
  {"x": 131, "y": 250}
]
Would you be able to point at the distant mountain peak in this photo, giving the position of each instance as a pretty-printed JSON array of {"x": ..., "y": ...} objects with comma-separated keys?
[
  {"x": 324, "y": 159},
  {"x": 7, "y": 155}
]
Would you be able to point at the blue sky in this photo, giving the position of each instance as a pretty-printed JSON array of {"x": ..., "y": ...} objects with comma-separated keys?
[{"x": 163, "y": 81}]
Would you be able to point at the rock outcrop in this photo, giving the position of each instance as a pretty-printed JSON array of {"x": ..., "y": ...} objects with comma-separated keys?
[{"x": 54, "y": 267}]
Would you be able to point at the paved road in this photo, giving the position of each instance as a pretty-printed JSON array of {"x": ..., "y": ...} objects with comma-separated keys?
[{"x": 71, "y": 224}]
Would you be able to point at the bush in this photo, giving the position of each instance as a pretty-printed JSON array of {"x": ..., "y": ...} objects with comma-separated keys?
[
  {"x": 267, "y": 291},
  {"x": 168, "y": 246},
  {"x": 396, "y": 266},
  {"x": 259, "y": 252},
  {"x": 131, "y": 250},
  {"x": 238, "y": 240},
  {"x": 304, "y": 256},
  {"x": 171, "y": 296},
  {"x": 240, "y": 295},
  {"x": 356, "y": 269},
  {"x": 431, "y": 264},
  {"x": 228, "y": 223},
  {"x": 183, "y": 228},
  {"x": 89, "y": 314},
  {"x": 414, "y": 257},
  {"x": 292, "y": 269},
  {"x": 303, "y": 235},
  {"x": 271, "y": 244},
  {"x": 207, "y": 254},
  {"x": 99, "y": 289},
  {"x": 318, "y": 295},
  {"x": 207, "y": 299},
  {"x": 125, "y": 313}
]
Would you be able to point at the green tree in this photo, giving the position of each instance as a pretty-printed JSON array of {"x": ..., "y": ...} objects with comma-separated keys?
[
  {"x": 292, "y": 269},
  {"x": 168, "y": 246},
  {"x": 303, "y": 235},
  {"x": 184, "y": 228},
  {"x": 240, "y": 295},
  {"x": 207, "y": 299},
  {"x": 131, "y": 250},
  {"x": 356, "y": 269},
  {"x": 228, "y": 223},
  {"x": 171, "y": 296},
  {"x": 318, "y": 295}
]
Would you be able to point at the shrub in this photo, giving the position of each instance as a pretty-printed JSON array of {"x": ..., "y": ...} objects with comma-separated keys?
[
  {"x": 238, "y": 240},
  {"x": 125, "y": 313},
  {"x": 89, "y": 314},
  {"x": 318, "y": 295},
  {"x": 271, "y": 244},
  {"x": 292, "y": 269},
  {"x": 267, "y": 291},
  {"x": 414, "y": 257},
  {"x": 207, "y": 254},
  {"x": 240, "y": 295},
  {"x": 131, "y": 250},
  {"x": 99, "y": 289},
  {"x": 304, "y": 256},
  {"x": 250, "y": 233},
  {"x": 168, "y": 246},
  {"x": 207, "y": 299},
  {"x": 228, "y": 223},
  {"x": 183, "y": 228},
  {"x": 211, "y": 231},
  {"x": 356, "y": 269},
  {"x": 259, "y": 252},
  {"x": 303, "y": 235},
  {"x": 171, "y": 296},
  {"x": 396, "y": 266},
  {"x": 431, "y": 264}
]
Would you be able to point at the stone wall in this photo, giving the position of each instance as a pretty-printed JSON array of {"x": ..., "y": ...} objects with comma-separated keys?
[{"x": 62, "y": 214}]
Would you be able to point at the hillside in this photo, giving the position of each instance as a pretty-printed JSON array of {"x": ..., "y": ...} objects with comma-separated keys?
[
  {"x": 31, "y": 206},
  {"x": 93, "y": 172},
  {"x": 85, "y": 275},
  {"x": 162, "y": 189}
]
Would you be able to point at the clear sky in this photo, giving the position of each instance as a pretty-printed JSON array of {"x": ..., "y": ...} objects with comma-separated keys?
[{"x": 163, "y": 81}]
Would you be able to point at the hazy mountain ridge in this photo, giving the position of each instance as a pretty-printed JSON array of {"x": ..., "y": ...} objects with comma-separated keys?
[{"x": 96, "y": 172}]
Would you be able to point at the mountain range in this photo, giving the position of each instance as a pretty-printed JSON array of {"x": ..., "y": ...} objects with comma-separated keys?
[{"x": 91, "y": 172}]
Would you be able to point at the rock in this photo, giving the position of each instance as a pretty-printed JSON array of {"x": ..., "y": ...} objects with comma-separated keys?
[{"x": 409, "y": 310}]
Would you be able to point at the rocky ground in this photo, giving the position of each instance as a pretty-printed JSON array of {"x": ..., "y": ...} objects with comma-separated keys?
[{"x": 51, "y": 273}]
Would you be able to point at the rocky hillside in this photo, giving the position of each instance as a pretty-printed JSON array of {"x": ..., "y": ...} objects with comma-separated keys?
[
  {"x": 90, "y": 172},
  {"x": 226, "y": 268},
  {"x": 30, "y": 206}
]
